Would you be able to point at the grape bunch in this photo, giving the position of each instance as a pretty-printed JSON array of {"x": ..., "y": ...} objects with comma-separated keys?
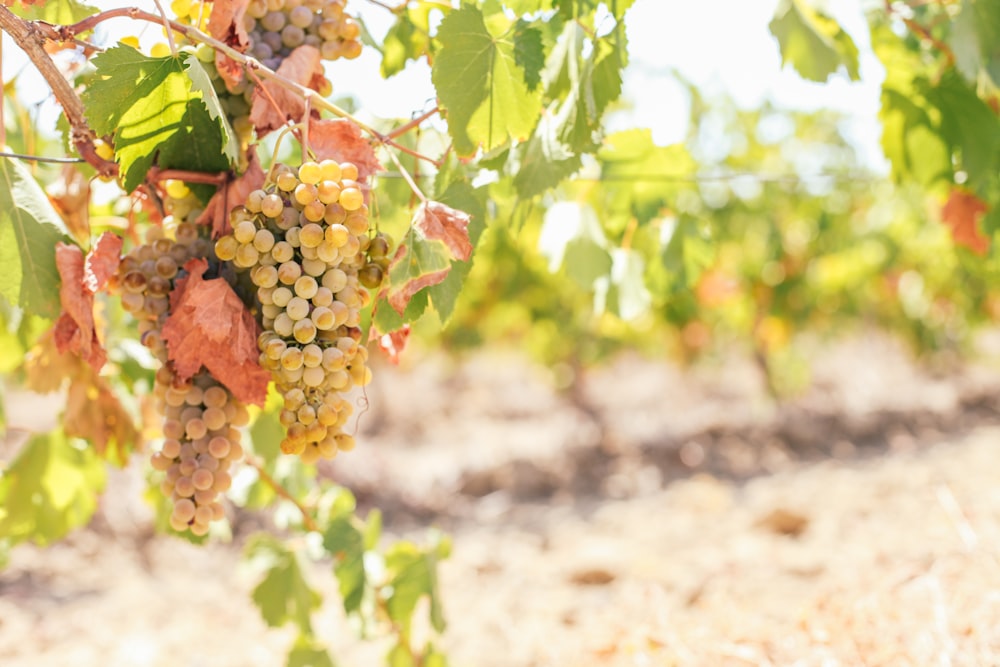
[
  {"x": 201, "y": 416},
  {"x": 276, "y": 27},
  {"x": 307, "y": 244}
]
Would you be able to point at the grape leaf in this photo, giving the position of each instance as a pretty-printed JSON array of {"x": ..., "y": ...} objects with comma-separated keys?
[
  {"x": 305, "y": 654},
  {"x": 462, "y": 195},
  {"x": 201, "y": 83},
  {"x": 93, "y": 412},
  {"x": 274, "y": 105},
  {"x": 155, "y": 114},
  {"x": 437, "y": 235},
  {"x": 70, "y": 196},
  {"x": 82, "y": 278},
  {"x": 970, "y": 126},
  {"x": 529, "y": 54},
  {"x": 545, "y": 160},
  {"x": 975, "y": 41},
  {"x": 578, "y": 8},
  {"x": 344, "y": 542},
  {"x": 209, "y": 326},
  {"x": 29, "y": 230},
  {"x": 481, "y": 85},
  {"x": 624, "y": 291},
  {"x": 438, "y": 221},
  {"x": 418, "y": 263},
  {"x": 75, "y": 330},
  {"x": 57, "y": 12},
  {"x": 571, "y": 236},
  {"x": 231, "y": 194},
  {"x": 49, "y": 489},
  {"x": 341, "y": 140},
  {"x": 812, "y": 42},
  {"x": 102, "y": 262},
  {"x": 911, "y": 139},
  {"x": 961, "y": 214},
  {"x": 408, "y": 39},
  {"x": 283, "y": 595},
  {"x": 412, "y": 575}
]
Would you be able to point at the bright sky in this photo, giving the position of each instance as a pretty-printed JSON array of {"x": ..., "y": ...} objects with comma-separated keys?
[{"x": 721, "y": 45}]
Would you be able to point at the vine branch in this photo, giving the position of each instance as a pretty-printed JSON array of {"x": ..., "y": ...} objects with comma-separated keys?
[
  {"x": 307, "y": 519},
  {"x": 31, "y": 37}
]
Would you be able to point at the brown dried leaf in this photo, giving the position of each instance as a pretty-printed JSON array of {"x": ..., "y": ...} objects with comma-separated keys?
[
  {"x": 394, "y": 342},
  {"x": 94, "y": 412},
  {"x": 226, "y": 25},
  {"x": 273, "y": 105},
  {"x": 70, "y": 196},
  {"x": 230, "y": 195},
  {"x": 45, "y": 367},
  {"x": 75, "y": 328},
  {"x": 102, "y": 261},
  {"x": 443, "y": 223},
  {"x": 960, "y": 214},
  {"x": 341, "y": 140},
  {"x": 209, "y": 326}
]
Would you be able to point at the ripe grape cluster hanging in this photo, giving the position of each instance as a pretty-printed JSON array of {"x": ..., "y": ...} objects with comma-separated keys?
[{"x": 307, "y": 243}]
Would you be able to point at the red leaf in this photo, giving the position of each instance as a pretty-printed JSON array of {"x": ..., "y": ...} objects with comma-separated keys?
[
  {"x": 74, "y": 329},
  {"x": 230, "y": 195},
  {"x": 393, "y": 343},
  {"x": 209, "y": 326},
  {"x": 226, "y": 25},
  {"x": 960, "y": 214},
  {"x": 102, "y": 261},
  {"x": 443, "y": 223},
  {"x": 275, "y": 105},
  {"x": 341, "y": 140}
]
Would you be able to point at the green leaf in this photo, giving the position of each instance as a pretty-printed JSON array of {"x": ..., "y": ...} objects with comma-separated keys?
[
  {"x": 408, "y": 39},
  {"x": 400, "y": 656},
  {"x": 975, "y": 40},
  {"x": 545, "y": 160},
  {"x": 529, "y": 54},
  {"x": 480, "y": 83},
  {"x": 625, "y": 292},
  {"x": 49, "y": 489},
  {"x": 307, "y": 654},
  {"x": 912, "y": 141},
  {"x": 346, "y": 544},
  {"x": 687, "y": 251},
  {"x": 812, "y": 42},
  {"x": 412, "y": 575},
  {"x": 970, "y": 126},
  {"x": 283, "y": 595},
  {"x": 572, "y": 237},
  {"x": 156, "y": 114},
  {"x": 29, "y": 230},
  {"x": 266, "y": 432},
  {"x": 57, "y": 12},
  {"x": 201, "y": 83}
]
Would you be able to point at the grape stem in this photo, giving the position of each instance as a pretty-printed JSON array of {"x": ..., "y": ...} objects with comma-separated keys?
[
  {"x": 408, "y": 178},
  {"x": 31, "y": 36},
  {"x": 403, "y": 129},
  {"x": 307, "y": 520}
]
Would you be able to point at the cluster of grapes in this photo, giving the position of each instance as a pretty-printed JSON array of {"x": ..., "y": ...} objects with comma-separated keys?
[
  {"x": 201, "y": 416},
  {"x": 278, "y": 26},
  {"x": 306, "y": 242}
]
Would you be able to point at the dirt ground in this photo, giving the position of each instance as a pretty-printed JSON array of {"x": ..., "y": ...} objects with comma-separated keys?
[{"x": 656, "y": 517}]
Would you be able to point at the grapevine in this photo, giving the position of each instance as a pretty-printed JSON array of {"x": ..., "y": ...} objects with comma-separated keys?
[{"x": 220, "y": 316}]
